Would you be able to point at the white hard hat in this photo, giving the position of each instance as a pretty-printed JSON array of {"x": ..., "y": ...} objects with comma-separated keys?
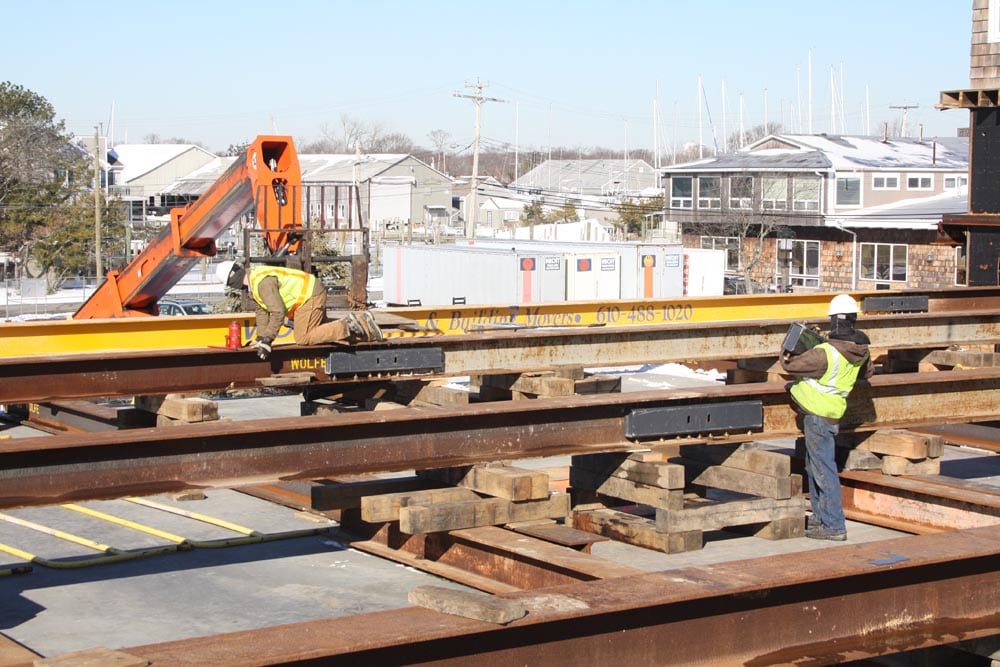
[
  {"x": 843, "y": 304},
  {"x": 223, "y": 269}
]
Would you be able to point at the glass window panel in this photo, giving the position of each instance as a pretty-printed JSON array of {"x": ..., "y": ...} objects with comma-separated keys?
[
  {"x": 849, "y": 191},
  {"x": 680, "y": 186},
  {"x": 709, "y": 186}
]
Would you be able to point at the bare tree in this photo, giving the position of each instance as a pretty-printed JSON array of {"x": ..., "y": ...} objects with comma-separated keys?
[
  {"x": 751, "y": 229},
  {"x": 439, "y": 140}
]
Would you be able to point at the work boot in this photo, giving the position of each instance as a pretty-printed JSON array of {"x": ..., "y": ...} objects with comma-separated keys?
[
  {"x": 367, "y": 321},
  {"x": 361, "y": 325},
  {"x": 821, "y": 532}
]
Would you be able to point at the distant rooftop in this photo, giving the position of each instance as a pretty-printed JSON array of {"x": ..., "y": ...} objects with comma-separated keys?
[
  {"x": 140, "y": 159},
  {"x": 589, "y": 176},
  {"x": 807, "y": 152}
]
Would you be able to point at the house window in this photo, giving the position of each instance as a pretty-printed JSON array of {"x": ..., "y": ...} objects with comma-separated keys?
[
  {"x": 885, "y": 182},
  {"x": 961, "y": 266},
  {"x": 741, "y": 192},
  {"x": 709, "y": 192},
  {"x": 489, "y": 218},
  {"x": 510, "y": 216},
  {"x": 680, "y": 192},
  {"x": 774, "y": 195},
  {"x": 848, "y": 191},
  {"x": 919, "y": 181},
  {"x": 955, "y": 182},
  {"x": 883, "y": 261},
  {"x": 805, "y": 194},
  {"x": 731, "y": 244},
  {"x": 804, "y": 264}
]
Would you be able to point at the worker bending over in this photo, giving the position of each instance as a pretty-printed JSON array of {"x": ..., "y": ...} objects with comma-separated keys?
[
  {"x": 826, "y": 375},
  {"x": 281, "y": 293}
]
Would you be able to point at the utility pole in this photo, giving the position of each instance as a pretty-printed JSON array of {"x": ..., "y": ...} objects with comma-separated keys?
[
  {"x": 905, "y": 108},
  {"x": 97, "y": 202},
  {"x": 470, "y": 224}
]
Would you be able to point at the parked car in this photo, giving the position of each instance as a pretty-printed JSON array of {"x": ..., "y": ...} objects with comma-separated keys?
[{"x": 184, "y": 307}]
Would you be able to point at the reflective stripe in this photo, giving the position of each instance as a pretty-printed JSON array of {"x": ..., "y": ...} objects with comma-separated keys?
[{"x": 826, "y": 396}]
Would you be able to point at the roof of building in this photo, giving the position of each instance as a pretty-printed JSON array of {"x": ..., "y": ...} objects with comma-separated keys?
[
  {"x": 589, "y": 175},
  {"x": 140, "y": 159},
  {"x": 809, "y": 152},
  {"x": 913, "y": 213},
  {"x": 320, "y": 168}
]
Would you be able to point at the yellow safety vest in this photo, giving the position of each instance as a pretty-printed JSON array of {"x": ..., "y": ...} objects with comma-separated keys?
[
  {"x": 827, "y": 396},
  {"x": 294, "y": 287}
]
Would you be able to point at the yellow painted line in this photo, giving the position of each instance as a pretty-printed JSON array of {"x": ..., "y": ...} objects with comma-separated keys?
[
  {"x": 149, "y": 530},
  {"x": 236, "y": 528},
  {"x": 62, "y": 535},
  {"x": 17, "y": 553}
]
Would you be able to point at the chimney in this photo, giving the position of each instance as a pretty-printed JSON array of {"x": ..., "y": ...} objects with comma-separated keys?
[{"x": 885, "y": 133}]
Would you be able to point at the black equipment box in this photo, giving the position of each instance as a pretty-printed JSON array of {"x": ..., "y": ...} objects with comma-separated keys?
[{"x": 799, "y": 339}]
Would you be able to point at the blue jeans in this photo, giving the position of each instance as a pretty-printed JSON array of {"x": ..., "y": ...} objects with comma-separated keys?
[{"x": 821, "y": 466}]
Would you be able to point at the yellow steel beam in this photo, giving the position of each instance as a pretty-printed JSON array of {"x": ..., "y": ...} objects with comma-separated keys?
[{"x": 42, "y": 338}]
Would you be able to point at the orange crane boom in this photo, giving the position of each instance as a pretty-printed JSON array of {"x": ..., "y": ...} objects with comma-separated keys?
[{"x": 266, "y": 178}]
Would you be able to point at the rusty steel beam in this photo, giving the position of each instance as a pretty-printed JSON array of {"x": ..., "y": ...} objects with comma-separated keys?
[
  {"x": 818, "y": 607},
  {"x": 130, "y": 373},
  {"x": 76, "y": 466}
]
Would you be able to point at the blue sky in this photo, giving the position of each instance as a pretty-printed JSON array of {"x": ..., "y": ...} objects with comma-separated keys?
[{"x": 575, "y": 74}]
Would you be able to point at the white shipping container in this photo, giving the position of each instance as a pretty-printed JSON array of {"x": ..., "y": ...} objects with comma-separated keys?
[
  {"x": 593, "y": 276},
  {"x": 647, "y": 270},
  {"x": 704, "y": 271},
  {"x": 447, "y": 275}
]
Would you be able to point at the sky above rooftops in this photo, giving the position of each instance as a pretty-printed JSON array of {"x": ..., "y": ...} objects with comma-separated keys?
[{"x": 573, "y": 74}]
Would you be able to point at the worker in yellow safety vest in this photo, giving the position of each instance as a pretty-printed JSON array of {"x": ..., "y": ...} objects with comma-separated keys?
[
  {"x": 281, "y": 293},
  {"x": 826, "y": 374}
]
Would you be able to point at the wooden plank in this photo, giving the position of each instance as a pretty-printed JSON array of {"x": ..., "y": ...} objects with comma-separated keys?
[
  {"x": 348, "y": 495},
  {"x": 765, "y": 462},
  {"x": 712, "y": 516},
  {"x": 740, "y": 481},
  {"x": 559, "y": 534},
  {"x": 616, "y": 487},
  {"x": 897, "y": 465},
  {"x": 467, "y": 604},
  {"x": 900, "y": 442},
  {"x": 415, "y": 519},
  {"x": 636, "y": 530},
  {"x": 386, "y": 507},
  {"x": 181, "y": 408},
  {"x": 499, "y": 480},
  {"x": 508, "y": 482},
  {"x": 438, "y": 395},
  {"x": 620, "y": 464}
]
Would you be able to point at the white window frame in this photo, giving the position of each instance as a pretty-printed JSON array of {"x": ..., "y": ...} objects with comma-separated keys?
[
  {"x": 861, "y": 199},
  {"x": 807, "y": 205},
  {"x": 809, "y": 277},
  {"x": 885, "y": 185},
  {"x": 510, "y": 216},
  {"x": 740, "y": 203},
  {"x": 958, "y": 182},
  {"x": 680, "y": 201},
  {"x": 710, "y": 203},
  {"x": 731, "y": 244},
  {"x": 771, "y": 204},
  {"x": 893, "y": 249},
  {"x": 961, "y": 266},
  {"x": 921, "y": 177}
]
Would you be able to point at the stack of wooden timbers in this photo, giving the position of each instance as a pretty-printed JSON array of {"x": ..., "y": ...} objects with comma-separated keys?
[{"x": 668, "y": 498}]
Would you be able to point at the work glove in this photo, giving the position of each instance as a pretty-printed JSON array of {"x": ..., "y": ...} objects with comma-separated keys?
[{"x": 263, "y": 346}]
